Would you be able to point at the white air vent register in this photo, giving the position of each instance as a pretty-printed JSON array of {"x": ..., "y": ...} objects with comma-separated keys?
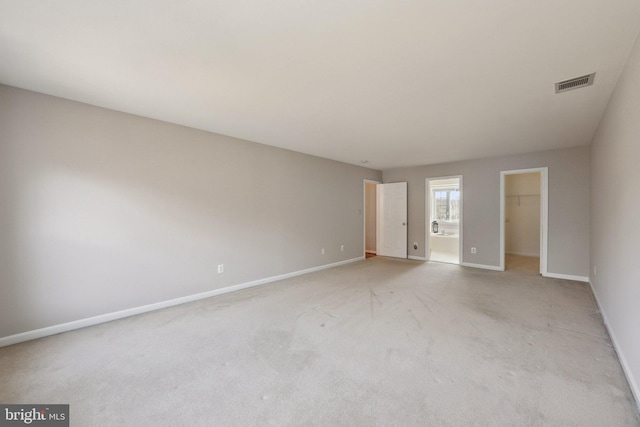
[{"x": 575, "y": 83}]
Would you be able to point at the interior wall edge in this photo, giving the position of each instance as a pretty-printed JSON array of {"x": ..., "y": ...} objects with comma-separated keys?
[
  {"x": 633, "y": 384},
  {"x": 614, "y": 231},
  {"x": 566, "y": 277}
]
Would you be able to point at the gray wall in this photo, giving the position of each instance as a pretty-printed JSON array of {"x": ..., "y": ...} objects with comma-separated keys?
[
  {"x": 568, "y": 205},
  {"x": 615, "y": 210},
  {"x": 103, "y": 211}
]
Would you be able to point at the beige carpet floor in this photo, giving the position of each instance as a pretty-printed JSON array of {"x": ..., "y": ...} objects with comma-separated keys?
[
  {"x": 523, "y": 264},
  {"x": 381, "y": 342}
]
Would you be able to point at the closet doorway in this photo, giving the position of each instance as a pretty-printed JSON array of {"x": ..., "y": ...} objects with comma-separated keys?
[{"x": 524, "y": 220}]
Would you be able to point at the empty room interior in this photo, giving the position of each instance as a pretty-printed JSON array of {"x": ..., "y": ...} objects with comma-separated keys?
[{"x": 320, "y": 213}]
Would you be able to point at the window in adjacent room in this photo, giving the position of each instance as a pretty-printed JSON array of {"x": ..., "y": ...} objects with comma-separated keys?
[{"x": 446, "y": 204}]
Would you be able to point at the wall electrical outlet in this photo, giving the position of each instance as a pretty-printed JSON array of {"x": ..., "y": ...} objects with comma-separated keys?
[
  {"x": 473, "y": 250},
  {"x": 322, "y": 251},
  {"x": 341, "y": 248},
  {"x": 220, "y": 268}
]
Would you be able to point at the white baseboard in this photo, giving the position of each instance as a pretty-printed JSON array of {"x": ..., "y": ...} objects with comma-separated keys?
[
  {"x": 633, "y": 384},
  {"x": 90, "y": 321},
  {"x": 417, "y": 258},
  {"x": 483, "y": 266},
  {"x": 566, "y": 277},
  {"x": 529, "y": 254},
  {"x": 371, "y": 252}
]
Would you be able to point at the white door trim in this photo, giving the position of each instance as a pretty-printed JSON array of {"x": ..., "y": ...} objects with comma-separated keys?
[
  {"x": 364, "y": 214},
  {"x": 544, "y": 214},
  {"x": 427, "y": 215}
]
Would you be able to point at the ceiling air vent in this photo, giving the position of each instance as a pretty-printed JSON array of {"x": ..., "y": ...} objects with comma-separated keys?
[{"x": 576, "y": 83}]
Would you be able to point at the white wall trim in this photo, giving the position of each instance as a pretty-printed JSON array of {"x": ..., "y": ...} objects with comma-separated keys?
[
  {"x": 633, "y": 384},
  {"x": 90, "y": 321},
  {"x": 566, "y": 277},
  {"x": 482, "y": 266},
  {"x": 417, "y": 258},
  {"x": 529, "y": 254}
]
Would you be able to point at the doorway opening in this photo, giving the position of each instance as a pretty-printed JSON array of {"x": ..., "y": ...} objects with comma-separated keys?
[
  {"x": 370, "y": 218},
  {"x": 444, "y": 219},
  {"x": 523, "y": 225}
]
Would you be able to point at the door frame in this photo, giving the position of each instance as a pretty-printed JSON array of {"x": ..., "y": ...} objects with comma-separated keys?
[
  {"x": 427, "y": 215},
  {"x": 544, "y": 214},
  {"x": 364, "y": 214}
]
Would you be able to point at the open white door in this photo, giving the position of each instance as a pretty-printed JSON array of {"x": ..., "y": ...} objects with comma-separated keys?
[{"x": 392, "y": 219}]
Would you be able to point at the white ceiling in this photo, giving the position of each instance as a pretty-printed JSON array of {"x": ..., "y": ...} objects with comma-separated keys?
[{"x": 397, "y": 83}]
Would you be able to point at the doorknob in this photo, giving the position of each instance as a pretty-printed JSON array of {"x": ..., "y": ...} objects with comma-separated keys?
[{"x": 404, "y": 223}]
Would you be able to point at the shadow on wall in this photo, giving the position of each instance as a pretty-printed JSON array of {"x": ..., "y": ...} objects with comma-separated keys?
[{"x": 106, "y": 211}]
